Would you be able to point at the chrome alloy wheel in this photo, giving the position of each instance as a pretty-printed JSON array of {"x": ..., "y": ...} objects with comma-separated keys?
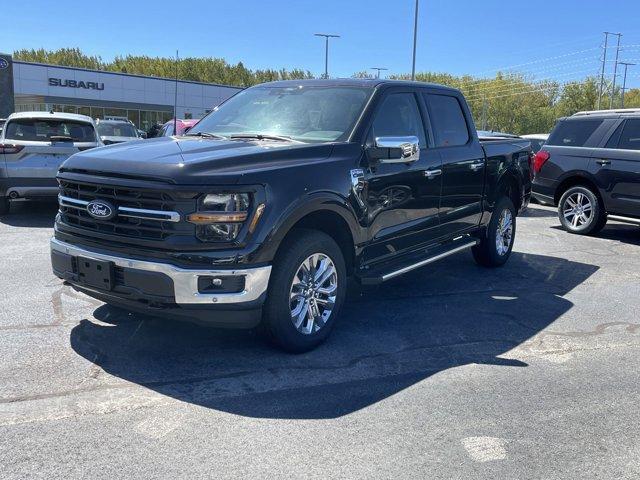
[
  {"x": 313, "y": 293},
  {"x": 577, "y": 210},
  {"x": 504, "y": 234}
]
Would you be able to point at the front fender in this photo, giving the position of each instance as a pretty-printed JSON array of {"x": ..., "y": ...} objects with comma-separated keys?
[{"x": 302, "y": 207}]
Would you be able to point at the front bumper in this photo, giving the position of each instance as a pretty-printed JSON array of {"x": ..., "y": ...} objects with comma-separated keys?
[{"x": 155, "y": 287}]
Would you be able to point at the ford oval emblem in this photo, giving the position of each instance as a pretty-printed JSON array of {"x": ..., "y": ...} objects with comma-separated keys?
[
  {"x": 3, "y": 64},
  {"x": 101, "y": 210}
]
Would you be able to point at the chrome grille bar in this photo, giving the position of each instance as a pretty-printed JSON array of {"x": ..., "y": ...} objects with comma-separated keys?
[{"x": 141, "y": 213}]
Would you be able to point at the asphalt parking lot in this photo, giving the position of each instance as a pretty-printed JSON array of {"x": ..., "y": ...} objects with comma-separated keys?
[{"x": 529, "y": 371}]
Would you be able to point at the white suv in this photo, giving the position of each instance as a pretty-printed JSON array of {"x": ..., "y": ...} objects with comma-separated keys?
[{"x": 33, "y": 145}]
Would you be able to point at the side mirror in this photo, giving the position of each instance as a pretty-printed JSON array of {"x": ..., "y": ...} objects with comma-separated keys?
[{"x": 395, "y": 149}]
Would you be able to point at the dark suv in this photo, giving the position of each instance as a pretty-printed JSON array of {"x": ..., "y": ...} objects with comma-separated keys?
[{"x": 590, "y": 169}]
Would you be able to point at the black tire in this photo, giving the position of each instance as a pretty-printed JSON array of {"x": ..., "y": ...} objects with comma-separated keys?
[
  {"x": 277, "y": 321},
  {"x": 595, "y": 221},
  {"x": 486, "y": 253},
  {"x": 4, "y": 205}
]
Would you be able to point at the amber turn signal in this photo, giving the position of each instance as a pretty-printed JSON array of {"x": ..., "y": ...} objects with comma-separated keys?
[{"x": 202, "y": 218}]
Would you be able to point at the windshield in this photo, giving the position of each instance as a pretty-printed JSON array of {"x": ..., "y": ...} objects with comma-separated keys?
[
  {"x": 116, "y": 130},
  {"x": 307, "y": 114},
  {"x": 41, "y": 130}
]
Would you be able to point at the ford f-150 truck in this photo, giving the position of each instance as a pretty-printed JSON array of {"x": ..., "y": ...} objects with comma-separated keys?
[{"x": 260, "y": 213}]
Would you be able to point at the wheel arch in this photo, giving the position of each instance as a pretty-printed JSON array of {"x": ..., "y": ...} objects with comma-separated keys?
[
  {"x": 571, "y": 179},
  {"x": 329, "y": 214}
]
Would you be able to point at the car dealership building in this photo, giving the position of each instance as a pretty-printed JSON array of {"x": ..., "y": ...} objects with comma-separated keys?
[{"x": 26, "y": 86}]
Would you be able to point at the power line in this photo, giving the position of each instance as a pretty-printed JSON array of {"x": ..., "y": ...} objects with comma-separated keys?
[
  {"x": 506, "y": 88},
  {"x": 480, "y": 82}
]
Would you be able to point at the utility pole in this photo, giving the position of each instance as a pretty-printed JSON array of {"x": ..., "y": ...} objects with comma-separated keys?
[
  {"x": 624, "y": 81},
  {"x": 175, "y": 98},
  {"x": 378, "y": 70},
  {"x": 615, "y": 72},
  {"x": 604, "y": 61},
  {"x": 326, "y": 36},
  {"x": 415, "y": 39}
]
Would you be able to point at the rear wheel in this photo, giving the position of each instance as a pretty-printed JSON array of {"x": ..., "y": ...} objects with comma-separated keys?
[
  {"x": 495, "y": 247},
  {"x": 4, "y": 205},
  {"x": 306, "y": 291},
  {"x": 581, "y": 212}
]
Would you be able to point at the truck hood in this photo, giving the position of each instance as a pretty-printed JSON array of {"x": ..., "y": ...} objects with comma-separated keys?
[{"x": 186, "y": 161}]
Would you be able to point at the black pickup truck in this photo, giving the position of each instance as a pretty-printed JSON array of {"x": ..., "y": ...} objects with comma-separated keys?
[{"x": 260, "y": 213}]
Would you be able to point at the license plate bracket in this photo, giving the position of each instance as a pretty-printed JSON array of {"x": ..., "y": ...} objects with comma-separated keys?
[{"x": 95, "y": 273}]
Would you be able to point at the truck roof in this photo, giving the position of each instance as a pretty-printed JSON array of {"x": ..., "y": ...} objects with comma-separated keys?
[{"x": 354, "y": 82}]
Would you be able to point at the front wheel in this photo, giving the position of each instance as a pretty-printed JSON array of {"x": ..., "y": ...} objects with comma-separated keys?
[
  {"x": 495, "y": 247},
  {"x": 306, "y": 291}
]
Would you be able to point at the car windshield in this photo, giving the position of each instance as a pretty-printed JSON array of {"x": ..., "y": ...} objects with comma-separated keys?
[
  {"x": 116, "y": 130},
  {"x": 41, "y": 130},
  {"x": 306, "y": 114}
]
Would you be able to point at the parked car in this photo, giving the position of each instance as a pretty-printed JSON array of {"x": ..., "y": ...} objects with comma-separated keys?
[
  {"x": 262, "y": 211},
  {"x": 537, "y": 140},
  {"x": 590, "y": 169},
  {"x": 116, "y": 131},
  {"x": 182, "y": 126},
  {"x": 32, "y": 147}
]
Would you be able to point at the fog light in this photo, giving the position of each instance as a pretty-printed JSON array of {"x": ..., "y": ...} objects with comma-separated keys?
[{"x": 221, "y": 284}]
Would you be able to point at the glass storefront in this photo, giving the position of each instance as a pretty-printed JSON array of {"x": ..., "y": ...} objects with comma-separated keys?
[{"x": 143, "y": 119}]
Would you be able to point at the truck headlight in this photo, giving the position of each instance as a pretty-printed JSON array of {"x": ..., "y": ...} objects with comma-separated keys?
[{"x": 220, "y": 216}]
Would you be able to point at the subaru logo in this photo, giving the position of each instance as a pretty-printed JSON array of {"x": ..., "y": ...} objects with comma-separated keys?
[
  {"x": 101, "y": 210},
  {"x": 3, "y": 64}
]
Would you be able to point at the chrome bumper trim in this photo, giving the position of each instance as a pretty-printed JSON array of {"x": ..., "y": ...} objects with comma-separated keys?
[
  {"x": 142, "y": 213},
  {"x": 185, "y": 281}
]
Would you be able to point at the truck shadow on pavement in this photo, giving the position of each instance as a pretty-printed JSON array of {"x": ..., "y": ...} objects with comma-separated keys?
[
  {"x": 389, "y": 338},
  {"x": 31, "y": 213}
]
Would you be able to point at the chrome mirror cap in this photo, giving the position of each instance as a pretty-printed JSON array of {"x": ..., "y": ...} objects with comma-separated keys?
[{"x": 401, "y": 149}]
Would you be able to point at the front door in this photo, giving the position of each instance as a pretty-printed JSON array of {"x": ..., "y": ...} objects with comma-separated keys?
[
  {"x": 616, "y": 168},
  {"x": 463, "y": 164},
  {"x": 402, "y": 200}
]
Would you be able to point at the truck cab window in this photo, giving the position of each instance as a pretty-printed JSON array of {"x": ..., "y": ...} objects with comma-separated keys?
[
  {"x": 399, "y": 117},
  {"x": 447, "y": 118}
]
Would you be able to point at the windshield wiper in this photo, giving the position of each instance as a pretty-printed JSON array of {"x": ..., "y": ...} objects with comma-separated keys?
[
  {"x": 205, "y": 135},
  {"x": 264, "y": 136}
]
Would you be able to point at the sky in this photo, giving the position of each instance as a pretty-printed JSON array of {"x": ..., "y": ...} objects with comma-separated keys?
[{"x": 551, "y": 39}]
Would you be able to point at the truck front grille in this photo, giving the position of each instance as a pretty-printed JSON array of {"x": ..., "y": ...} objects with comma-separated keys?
[{"x": 140, "y": 213}]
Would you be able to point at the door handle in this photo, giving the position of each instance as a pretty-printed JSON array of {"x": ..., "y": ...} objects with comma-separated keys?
[
  {"x": 432, "y": 173},
  {"x": 603, "y": 161},
  {"x": 476, "y": 166}
]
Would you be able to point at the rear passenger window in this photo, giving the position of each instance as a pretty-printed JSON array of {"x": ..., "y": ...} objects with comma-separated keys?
[
  {"x": 447, "y": 120},
  {"x": 630, "y": 137},
  {"x": 573, "y": 133},
  {"x": 399, "y": 117}
]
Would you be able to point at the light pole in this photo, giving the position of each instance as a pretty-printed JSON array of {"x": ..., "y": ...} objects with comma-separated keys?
[
  {"x": 378, "y": 70},
  {"x": 415, "y": 39},
  {"x": 326, "y": 36},
  {"x": 624, "y": 81}
]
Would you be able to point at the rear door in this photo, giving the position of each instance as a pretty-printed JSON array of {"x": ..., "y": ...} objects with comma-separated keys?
[
  {"x": 616, "y": 167},
  {"x": 43, "y": 144},
  {"x": 463, "y": 162}
]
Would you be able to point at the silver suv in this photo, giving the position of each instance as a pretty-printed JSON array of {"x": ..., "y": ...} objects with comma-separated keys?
[{"x": 32, "y": 147}]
